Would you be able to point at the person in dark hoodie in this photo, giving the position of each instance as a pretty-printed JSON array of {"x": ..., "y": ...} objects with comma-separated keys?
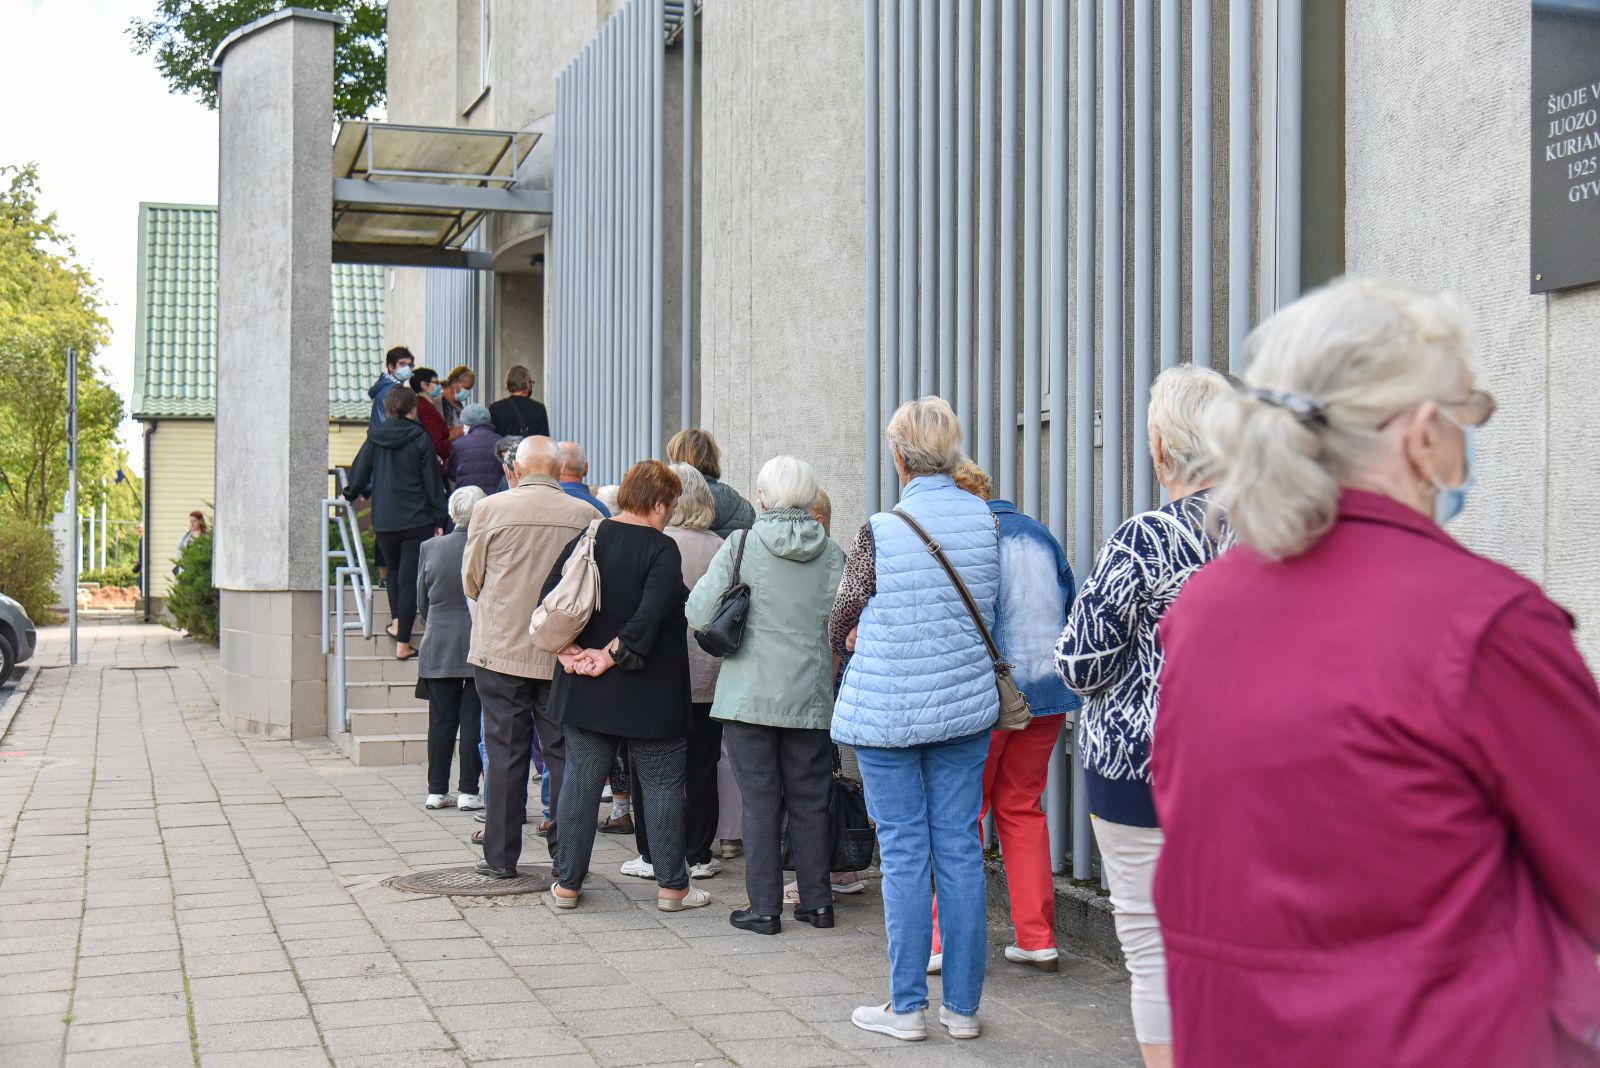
[
  {"x": 408, "y": 503},
  {"x": 397, "y": 363},
  {"x": 472, "y": 456}
]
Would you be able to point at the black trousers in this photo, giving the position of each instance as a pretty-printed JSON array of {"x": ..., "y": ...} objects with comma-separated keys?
[
  {"x": 453, "y": 710},
  {"x": 781, "y": 768},
  {"x": 400, "y": 548},
  {"x": 514, "y": 708},
  {"x": 657, "y": 767},
  {"x": 700, "y": 802}
]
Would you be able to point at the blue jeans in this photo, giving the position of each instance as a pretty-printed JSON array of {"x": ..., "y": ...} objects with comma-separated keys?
[
  {"x": 925, "y": 801},
  {"x": 536, "y": 763}
]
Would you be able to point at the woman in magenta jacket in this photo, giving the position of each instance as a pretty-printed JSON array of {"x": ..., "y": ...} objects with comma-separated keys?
[{"x": 1378, "y": 760}]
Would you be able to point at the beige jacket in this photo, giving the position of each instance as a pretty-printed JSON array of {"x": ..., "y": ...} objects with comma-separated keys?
[{"x": 512, "y": 543}]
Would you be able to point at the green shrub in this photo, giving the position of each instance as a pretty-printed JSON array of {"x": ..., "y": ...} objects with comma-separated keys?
[
  {"x": 193, "y": 600},
  {"x": 115, "y": 575},
  {"x": 28, "y": 567},
  {"x": 369, "y": 545}
]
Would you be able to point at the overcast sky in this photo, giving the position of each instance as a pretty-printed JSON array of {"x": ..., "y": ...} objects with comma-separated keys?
[{"x": 106, "y": 135}]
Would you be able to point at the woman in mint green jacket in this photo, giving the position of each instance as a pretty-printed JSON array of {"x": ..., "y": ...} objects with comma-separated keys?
[{"x": 775, "y": 694}]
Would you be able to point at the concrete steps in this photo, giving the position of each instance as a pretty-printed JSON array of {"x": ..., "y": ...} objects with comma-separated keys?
[{"x": 388, "y": 723}]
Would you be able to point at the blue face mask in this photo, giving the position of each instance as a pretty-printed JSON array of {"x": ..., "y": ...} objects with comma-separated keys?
[
  {"x": 1450, "y": 500},
  {"x": 436, "y": 390},
  {"x": 402, "y": 373},
  {"x": 461, "y": 398}
]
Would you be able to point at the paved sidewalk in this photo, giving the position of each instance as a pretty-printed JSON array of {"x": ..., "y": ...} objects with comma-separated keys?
[{"x": 173, "y": 894}]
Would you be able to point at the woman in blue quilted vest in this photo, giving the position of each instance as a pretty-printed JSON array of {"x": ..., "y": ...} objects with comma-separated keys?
[{"x": 917, "y": 702}]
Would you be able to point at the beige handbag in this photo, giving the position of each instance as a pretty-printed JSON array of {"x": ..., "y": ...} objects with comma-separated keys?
[
  {"x": 1014, "y": 711},
  {"x": 566, "y": 609}
]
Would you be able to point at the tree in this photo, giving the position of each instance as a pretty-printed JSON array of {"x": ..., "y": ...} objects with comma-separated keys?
[
  {"x": 184, "y": 35},
  {"x": 48, "y": 304}
]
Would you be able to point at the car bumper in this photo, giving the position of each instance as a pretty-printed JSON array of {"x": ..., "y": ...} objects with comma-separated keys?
[{"x": 30, "y": 638}]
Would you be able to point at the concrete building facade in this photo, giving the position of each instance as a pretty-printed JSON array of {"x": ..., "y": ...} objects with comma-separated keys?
[{"x": 1398, "y": 179}]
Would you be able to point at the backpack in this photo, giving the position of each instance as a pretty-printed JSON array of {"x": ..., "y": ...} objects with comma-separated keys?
[{"x": 566, "y": 609}]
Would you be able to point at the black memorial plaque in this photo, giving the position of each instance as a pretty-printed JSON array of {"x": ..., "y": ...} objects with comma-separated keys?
[{"x": 1564, "y": 186}]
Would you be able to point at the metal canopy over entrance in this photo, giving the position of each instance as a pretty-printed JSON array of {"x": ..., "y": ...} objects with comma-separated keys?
[{"x": 411, "y": 196}]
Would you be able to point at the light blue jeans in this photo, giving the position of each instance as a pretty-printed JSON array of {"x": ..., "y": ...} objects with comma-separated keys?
[{"x": 925, "y": 801}]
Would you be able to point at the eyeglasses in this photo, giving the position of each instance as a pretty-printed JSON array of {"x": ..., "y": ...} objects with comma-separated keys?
[{"x": 1477, "y": 408}]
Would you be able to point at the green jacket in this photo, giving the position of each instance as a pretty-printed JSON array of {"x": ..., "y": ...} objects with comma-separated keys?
[{"x": 782, "y": 675}]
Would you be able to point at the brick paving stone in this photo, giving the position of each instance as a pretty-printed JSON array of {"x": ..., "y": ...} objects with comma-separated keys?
[{"x": 158, "y": 865}]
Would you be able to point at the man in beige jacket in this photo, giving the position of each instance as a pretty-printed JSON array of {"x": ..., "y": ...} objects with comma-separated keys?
[{"x": 512, "y": 543}]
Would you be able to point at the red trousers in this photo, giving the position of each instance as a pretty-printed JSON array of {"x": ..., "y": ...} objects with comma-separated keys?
[{"x": 1013, "y": 784}]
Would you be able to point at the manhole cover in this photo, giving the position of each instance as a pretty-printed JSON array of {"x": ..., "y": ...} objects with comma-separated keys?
[{"x": 466, "y": 882}]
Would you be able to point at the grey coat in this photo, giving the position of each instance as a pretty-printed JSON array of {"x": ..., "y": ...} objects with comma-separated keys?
[{"x": 448, "y": 624}]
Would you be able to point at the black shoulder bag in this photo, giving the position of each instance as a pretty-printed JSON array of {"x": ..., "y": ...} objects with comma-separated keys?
[{"x": 723, "y": 635}]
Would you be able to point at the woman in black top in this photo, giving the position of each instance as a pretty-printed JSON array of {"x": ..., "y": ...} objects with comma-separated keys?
[
  {"x": 626, "y": 679},
  {"x": 408, "y": 503}
]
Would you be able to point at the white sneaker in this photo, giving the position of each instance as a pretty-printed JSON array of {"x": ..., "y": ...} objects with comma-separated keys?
[
  {"x": 639, "y": 868},
  {"x": 706, "y": 870},
  {"x": 436, "y": 801},
  {"x": 958, "y": 1025},
  {"x": 936, "y": 964},
  {"x": 1046, "y": 960},
  {"x": 469, "y": 802},
  {"x": 883, "y": 1020},
  {"x": 849, "y": 888}
]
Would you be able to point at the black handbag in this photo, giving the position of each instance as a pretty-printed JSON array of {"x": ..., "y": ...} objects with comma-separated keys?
[
  {"x": 723, "y": 635},
  {"x": 854, "y": 841}
]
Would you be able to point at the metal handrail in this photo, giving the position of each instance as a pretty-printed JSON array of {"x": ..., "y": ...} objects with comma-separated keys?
[{"x": 351, "y": 560}]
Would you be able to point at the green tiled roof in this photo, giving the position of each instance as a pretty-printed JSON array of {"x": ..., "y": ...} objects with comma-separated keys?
[{"x": 175, "y": 343}]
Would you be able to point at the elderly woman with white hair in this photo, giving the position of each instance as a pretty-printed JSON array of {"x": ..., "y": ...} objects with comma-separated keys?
[
  {"x": 453, "y": 706},
  {"x": 1378, "y": 763},
  {"x": 775, "y": 692},
  {"x": 688, "y": 526},
  {"x": 917, "y": 703},
  {"x": 1110, "y": 652}
]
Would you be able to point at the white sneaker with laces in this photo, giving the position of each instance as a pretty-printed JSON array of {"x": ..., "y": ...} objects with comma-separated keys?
[
  {"x": 883, "y": 1020},
  {"x": 436, "y": 801},
  {"x": 469, "y": 802},
  {"x": 639, "y": 868},
  {"x": 958, "y": 1025},
  {"x": 1046, "y": 960},
  {"x": 936, "y": 964},
  {"x": 706, "y": 870}
]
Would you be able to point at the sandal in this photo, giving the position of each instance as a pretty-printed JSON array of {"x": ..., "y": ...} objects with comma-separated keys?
[
  {"x": 477, "y": 838},
  {"x": 393, "y": 629},
  {"x": 695, "y": 898},
  {"x": 413, "y": 656},
  {"x": 563, "y": 902}
]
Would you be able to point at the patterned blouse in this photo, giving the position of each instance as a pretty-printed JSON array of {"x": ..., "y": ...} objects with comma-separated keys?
[{"x": 1110, "y": 651}]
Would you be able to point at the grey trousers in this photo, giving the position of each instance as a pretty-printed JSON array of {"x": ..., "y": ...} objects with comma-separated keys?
[
  {"x": 782, "y": 768},
  {"x": 657, "y": 766},
  {"x": 513, "y": 708}
]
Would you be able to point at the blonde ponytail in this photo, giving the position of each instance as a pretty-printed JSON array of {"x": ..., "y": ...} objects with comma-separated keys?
[{"x": 1325, "y": 373}]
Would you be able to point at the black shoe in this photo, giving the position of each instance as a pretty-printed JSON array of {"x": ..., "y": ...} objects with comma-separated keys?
[
  {"x": 746, "y": 920},
  {"x": 483, "y": 867},
  {"x": 819, "y": 918}
]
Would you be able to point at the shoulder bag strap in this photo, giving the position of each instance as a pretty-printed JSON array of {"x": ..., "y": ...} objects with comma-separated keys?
[
  {"x": 961, "y": 587},
  {"x": 738, "y": 559}
]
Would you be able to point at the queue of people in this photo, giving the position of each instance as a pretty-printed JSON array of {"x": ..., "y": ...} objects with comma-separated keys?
[{"x": 1338, "y": 767}]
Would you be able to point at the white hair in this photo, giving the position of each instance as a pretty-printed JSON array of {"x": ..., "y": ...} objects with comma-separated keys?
[
  {"x": 607, "y": 495},
  {"x": 926, "y": 435},
  {"x": 695, "y": 508},
  {"x": 574, "y": 461},
  {"x": 786, "y": 482},
  {"x": 1178, "y": 403},
  {"x": 1325, "y": 374},
  {"x": 461, "y": 503},
  {"x": 535, "y": 448}
]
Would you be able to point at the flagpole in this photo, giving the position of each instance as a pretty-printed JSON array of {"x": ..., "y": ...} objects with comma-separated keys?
[{"x": 72, "y": 502}]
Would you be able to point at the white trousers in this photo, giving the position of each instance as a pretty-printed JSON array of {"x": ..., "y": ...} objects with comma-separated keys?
[{"x": 1129, "y": 855}]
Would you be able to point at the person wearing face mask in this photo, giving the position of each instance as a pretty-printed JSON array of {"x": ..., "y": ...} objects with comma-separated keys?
[
  {"x": 454, "y": 398},
  {"x": 425, "y": 381},
  {"x": 398, "y": 364},
  {"x": 1378, "y": 758}
]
